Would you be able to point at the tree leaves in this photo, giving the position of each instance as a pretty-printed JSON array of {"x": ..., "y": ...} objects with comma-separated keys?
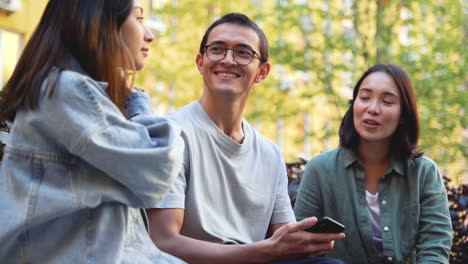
[{"x": 318, "y": 51}]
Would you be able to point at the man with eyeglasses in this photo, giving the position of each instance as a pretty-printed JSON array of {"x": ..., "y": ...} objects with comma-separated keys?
[{"x": 230, "y": 202}]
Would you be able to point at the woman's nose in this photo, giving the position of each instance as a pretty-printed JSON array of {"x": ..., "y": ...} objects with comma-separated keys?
[
  {"x": 373, "y": 108},
  {"x": 149, "y": 37}
]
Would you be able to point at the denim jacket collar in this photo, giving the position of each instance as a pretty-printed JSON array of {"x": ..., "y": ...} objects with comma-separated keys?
[{"x": 74, "y": 65}]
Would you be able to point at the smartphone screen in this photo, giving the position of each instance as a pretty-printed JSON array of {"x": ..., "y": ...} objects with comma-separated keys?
[{"x": 327, "y": 225}]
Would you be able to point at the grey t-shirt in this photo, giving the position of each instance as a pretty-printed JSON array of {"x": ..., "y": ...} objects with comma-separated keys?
[{"x": 231, "y": 192}]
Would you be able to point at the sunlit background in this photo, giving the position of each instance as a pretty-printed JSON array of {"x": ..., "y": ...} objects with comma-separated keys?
[{"x": 318, "y": 50}]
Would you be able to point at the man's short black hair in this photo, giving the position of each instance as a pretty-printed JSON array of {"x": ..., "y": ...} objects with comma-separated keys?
[{"x": 243, "y": 20}]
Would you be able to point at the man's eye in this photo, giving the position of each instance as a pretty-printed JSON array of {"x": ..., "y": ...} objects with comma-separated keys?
[
  {"x": 244, "y": 52},
  {"x": 216, "y": 49}
]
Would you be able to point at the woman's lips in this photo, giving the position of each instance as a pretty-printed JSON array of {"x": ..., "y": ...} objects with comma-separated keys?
[{"x": 369, "y": 123}]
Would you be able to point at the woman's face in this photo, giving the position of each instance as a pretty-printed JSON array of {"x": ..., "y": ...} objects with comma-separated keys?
[
  {"x": 136, "y": 35},
  {"x": 377, "y": 108}
]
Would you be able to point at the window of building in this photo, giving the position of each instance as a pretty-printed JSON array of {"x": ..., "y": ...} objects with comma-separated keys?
[{"x": 11, "y": 44}]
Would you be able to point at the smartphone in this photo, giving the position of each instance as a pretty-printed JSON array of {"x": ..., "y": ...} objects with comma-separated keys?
[{"x": 327, "y": 225}]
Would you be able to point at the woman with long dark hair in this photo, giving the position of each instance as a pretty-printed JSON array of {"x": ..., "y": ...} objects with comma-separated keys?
[
  {"x": 75, "y": 169},
  {"x": 389, "y": 196}
]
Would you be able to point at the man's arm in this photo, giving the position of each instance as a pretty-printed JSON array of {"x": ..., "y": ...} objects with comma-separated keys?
[{"x": 287, "y": 242}]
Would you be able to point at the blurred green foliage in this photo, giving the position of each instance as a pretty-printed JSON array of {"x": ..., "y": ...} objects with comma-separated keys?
[{"x": 318, "y": 50}]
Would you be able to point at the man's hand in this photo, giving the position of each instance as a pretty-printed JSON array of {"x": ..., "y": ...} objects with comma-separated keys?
[
  {"x": 287, "y": 242},
  {"x": 290, "y": 241}
]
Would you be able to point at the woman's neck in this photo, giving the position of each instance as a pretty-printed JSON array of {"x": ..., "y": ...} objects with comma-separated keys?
[
  {"x": 375, "y": 157},
  {"x": 374, "y": 153}
]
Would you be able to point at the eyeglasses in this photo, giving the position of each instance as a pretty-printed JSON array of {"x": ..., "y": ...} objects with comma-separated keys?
[{"x": 242, "y": 56}]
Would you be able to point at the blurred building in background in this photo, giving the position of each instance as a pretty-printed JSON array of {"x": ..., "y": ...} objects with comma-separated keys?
[
  {"x": 18, "y": 18},
  {"x": 318, "y": 50}
]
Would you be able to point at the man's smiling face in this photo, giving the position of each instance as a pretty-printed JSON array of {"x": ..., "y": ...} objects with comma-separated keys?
[{"x": 226, "y": 77}]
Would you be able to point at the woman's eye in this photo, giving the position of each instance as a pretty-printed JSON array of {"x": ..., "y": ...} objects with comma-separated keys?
[
  {"x": 388, "y": 102},
  {"x": 140, "y": 18}
]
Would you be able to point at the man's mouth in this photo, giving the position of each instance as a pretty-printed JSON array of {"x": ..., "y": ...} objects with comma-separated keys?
[{"x": 227, "y": 74}]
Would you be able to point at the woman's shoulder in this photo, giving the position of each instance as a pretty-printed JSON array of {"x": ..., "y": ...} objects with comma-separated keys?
[
  {"x": 65, "y": 92},
  {"x": 64, "y": 77},
  {"x": 422, "y": 162},
  {"x": 327, "y": 155},
  {"x": 69, "y": 83},
  {"x": 70, "y": 77},
  {"x": 326, "y": 160},
  {"x": 424, "y": 169}
]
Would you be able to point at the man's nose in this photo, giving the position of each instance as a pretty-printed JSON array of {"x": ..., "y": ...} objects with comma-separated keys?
[{"x": 229, "y": 58}]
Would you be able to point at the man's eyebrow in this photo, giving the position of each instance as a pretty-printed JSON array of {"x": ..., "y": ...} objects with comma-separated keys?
[
  {"x": 216, "y": 42},
  {"x": 241, "y": 45},
  {"x": 244, "y": 46}
]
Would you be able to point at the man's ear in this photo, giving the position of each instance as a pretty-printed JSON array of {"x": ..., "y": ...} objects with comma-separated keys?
[
  {"x": 263, "y": 71},
  {"x": 199, "y": 62}
]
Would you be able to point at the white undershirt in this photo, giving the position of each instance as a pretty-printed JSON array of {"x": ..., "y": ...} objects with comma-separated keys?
[{"x": 374, "y": 213}]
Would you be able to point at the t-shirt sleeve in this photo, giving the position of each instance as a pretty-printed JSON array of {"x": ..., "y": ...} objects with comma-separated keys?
[
  {"x": 282, "y": 211},
  {"x": 175, "y": 197}
]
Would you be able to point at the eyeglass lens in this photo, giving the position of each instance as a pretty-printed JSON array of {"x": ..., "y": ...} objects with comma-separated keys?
[{"x": 242, "y": 56}]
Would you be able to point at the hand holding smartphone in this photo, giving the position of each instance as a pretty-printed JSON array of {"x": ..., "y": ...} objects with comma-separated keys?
[{"x": 327, "y": 225}]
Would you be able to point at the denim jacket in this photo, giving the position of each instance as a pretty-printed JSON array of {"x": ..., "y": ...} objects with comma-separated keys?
[{"x": 74, "y": 173}]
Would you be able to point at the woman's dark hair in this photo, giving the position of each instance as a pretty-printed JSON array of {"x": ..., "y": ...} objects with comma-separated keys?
[
  {"x": 86, "y": 30},
  {"x": 243, "y": 20},
  {"x": 404, "y": 144}
]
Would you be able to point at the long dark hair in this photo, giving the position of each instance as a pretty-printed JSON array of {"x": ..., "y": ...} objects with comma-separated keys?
[
  {"x": 404, "y": 144},
  {"x": 86, "y": 30}
]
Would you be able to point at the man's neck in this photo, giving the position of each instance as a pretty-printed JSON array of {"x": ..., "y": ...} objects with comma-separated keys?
[{"x": 226, "y": 114}]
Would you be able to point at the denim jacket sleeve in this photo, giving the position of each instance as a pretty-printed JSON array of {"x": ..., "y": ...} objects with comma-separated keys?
[
  {"x": 435, "y": 230},
  {"x": 138, "y": 103},
  {"x": 143, "y": 160}
]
